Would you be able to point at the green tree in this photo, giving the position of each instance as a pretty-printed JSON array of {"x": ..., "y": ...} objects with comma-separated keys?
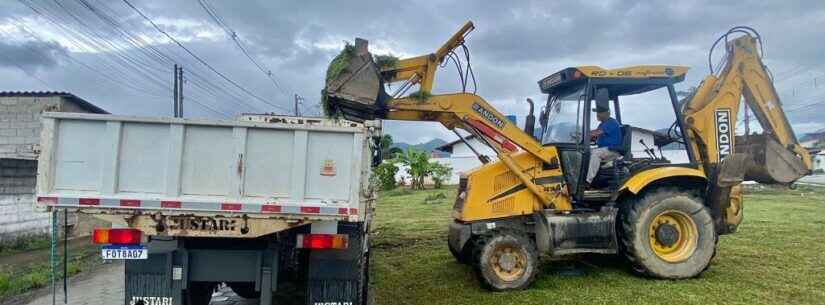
[
  {"x": 385, "y": 175},
  {"x": 440, "y": 173},
  {"x": 387, "y": 151},
  {"x": 418, "y": 166}
]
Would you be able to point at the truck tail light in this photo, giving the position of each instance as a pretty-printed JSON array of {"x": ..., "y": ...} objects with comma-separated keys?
[
  {"x": 105, "y": 236},
  {"x": 322, "y": 241}
]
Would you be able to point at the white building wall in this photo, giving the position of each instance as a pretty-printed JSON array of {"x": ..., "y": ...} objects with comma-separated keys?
[
  {"x": 819, "y": 162},
  {"x": 463, "y": 159}
]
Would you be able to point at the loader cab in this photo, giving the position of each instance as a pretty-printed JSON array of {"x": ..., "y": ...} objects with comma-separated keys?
[{"x": 641, "y": 98}]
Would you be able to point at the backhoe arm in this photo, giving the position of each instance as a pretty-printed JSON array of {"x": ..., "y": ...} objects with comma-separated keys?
[
  {"x": 354, "y": 89},
  {"x": 710, "y": 115},
  {"x": 471, "y": 113}
]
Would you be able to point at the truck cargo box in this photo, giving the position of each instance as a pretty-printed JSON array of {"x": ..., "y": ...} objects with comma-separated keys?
[{"x": 192, "y": 177}]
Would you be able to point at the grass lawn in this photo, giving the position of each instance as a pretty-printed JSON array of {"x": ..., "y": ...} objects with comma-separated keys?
[
  {"x": 777, "y": 257},
  {"x": 25, "y": 266}
]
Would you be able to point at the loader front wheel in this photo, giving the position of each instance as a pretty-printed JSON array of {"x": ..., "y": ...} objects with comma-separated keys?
[
  {"x": 506, "y": 261},
  {"x": 668, "y": 234}
]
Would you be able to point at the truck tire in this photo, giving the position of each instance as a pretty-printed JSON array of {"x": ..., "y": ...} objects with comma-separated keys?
[
  {"x": 506, "y": 261},
  {"x": 199, "y": 293},
  {"x": 668, "y": 234}
]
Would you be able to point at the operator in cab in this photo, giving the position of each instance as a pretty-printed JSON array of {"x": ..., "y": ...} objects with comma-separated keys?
[{"x": 608, "y": 137}]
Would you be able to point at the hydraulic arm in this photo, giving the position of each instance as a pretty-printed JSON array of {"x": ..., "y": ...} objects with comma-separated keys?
[
  {"x": 775, "y": 156},
  {"x": 466, "y": 111}
]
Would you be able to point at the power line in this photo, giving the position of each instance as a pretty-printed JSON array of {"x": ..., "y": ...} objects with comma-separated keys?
[
  {"x": 95, "y": 40},
  {"x": 90, "y": 40},
  {"x": 234, "y": 35},
  {"x": 199, "y": 59}
]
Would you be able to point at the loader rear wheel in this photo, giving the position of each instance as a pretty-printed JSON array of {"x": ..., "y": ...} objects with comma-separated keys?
[
  {"x": 668, "y": 234},
  {"x": 506, "y": 261}
]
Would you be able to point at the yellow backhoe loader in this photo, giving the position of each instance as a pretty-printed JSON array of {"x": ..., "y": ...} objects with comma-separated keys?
[{"x": 663, "y": 215}]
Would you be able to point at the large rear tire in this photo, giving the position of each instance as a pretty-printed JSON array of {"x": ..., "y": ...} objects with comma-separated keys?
[
  {"x": 668, "y": 234},
  {"x": 506, "y": 261}
]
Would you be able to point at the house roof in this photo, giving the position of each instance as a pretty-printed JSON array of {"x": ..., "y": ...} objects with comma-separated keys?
[
  {"x": 449, "y": 146},
  {"x": 85, "y": 105}
]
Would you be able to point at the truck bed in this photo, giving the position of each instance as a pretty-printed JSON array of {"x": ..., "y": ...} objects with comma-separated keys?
[{"x": 261, "y": 167}]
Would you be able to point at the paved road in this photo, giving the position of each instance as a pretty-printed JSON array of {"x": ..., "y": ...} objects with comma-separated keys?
[{"x": 104, "y": 286}]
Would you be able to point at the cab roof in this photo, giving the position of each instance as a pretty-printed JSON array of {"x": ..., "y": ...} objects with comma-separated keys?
[{"x": 621, "y": 81}]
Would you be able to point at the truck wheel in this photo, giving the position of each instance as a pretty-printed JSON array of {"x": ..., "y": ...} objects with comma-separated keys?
[
  {"x": 199, "y": 293},
  {"x": 668, "y": 234},
  {"x": 506, "y": 261}
]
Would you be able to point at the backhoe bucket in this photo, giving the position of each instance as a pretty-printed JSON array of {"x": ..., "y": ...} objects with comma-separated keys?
[
  {"x": 768, "y": 161},
  {"x": 354, "y": 87}
]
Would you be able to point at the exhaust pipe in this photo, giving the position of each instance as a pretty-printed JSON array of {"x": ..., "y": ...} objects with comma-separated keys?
[{"x": 530, "y": 121}]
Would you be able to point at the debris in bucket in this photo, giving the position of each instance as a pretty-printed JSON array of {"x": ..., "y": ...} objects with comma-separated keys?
[
  {"x": 335, "y": 68},
  {"x": 340, "y": 62},
  {"x": 386, "y": 62}
]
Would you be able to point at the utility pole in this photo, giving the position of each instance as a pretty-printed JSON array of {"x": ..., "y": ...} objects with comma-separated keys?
[
  {"x": 175, "y": 92},
  {"x": 298, "y": 100},
  {"x": 180, "y": 92},
  {"x": 177, "y": 102}
]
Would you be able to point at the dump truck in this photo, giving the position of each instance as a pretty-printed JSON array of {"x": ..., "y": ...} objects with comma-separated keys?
[
  {"x": 278, "y": 208},
  {"x": 553, "y": 194}
]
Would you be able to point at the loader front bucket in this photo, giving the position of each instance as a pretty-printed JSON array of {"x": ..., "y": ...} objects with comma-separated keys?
[
  {"x": 768, "y": 161},
  {"x": 354, "y": 87}
]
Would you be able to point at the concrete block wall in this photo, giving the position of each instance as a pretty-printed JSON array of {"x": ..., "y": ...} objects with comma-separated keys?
[
  {"x": 20, "y": 124},
  {"x": 19, "y": 140},
  {"x": 17, "y": 215}
]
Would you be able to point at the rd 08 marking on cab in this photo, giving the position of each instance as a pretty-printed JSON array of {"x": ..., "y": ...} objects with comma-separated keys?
[{"x": 724, "y": 134}]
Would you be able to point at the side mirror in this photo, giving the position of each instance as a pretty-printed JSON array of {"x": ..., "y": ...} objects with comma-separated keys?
[{"x": 377, "y": 152}]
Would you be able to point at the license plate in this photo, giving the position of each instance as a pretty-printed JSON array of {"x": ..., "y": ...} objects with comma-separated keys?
[{"x": 124, "y": 252}]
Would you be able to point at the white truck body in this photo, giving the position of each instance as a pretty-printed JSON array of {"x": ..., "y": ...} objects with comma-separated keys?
[{"x": 269, "y": 172}]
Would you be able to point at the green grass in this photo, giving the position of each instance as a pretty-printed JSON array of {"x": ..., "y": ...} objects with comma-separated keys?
[
  {"x": 20, "y": 278},
  {"x": 777, "y": 257},
  {"x": 23, "y": 244}
]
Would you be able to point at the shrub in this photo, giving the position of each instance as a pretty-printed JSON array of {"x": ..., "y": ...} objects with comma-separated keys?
[
  {"x": 385, "y": 175},
  {"x": 440, "y": 173}
]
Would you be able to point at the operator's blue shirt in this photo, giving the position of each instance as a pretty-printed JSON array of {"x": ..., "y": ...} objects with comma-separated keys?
[{"x": 611, "y": 135}]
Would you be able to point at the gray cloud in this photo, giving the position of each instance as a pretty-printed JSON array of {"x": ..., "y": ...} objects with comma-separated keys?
[
  {"x": 514, "y": 45},
  {"x": 30, "y": 55}
]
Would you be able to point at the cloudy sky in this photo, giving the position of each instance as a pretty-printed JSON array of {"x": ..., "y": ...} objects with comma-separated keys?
[{"x": 105, "y": 52}]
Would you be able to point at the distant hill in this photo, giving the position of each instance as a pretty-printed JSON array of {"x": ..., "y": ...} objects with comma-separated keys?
[{"x": 428, "y": 146}]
